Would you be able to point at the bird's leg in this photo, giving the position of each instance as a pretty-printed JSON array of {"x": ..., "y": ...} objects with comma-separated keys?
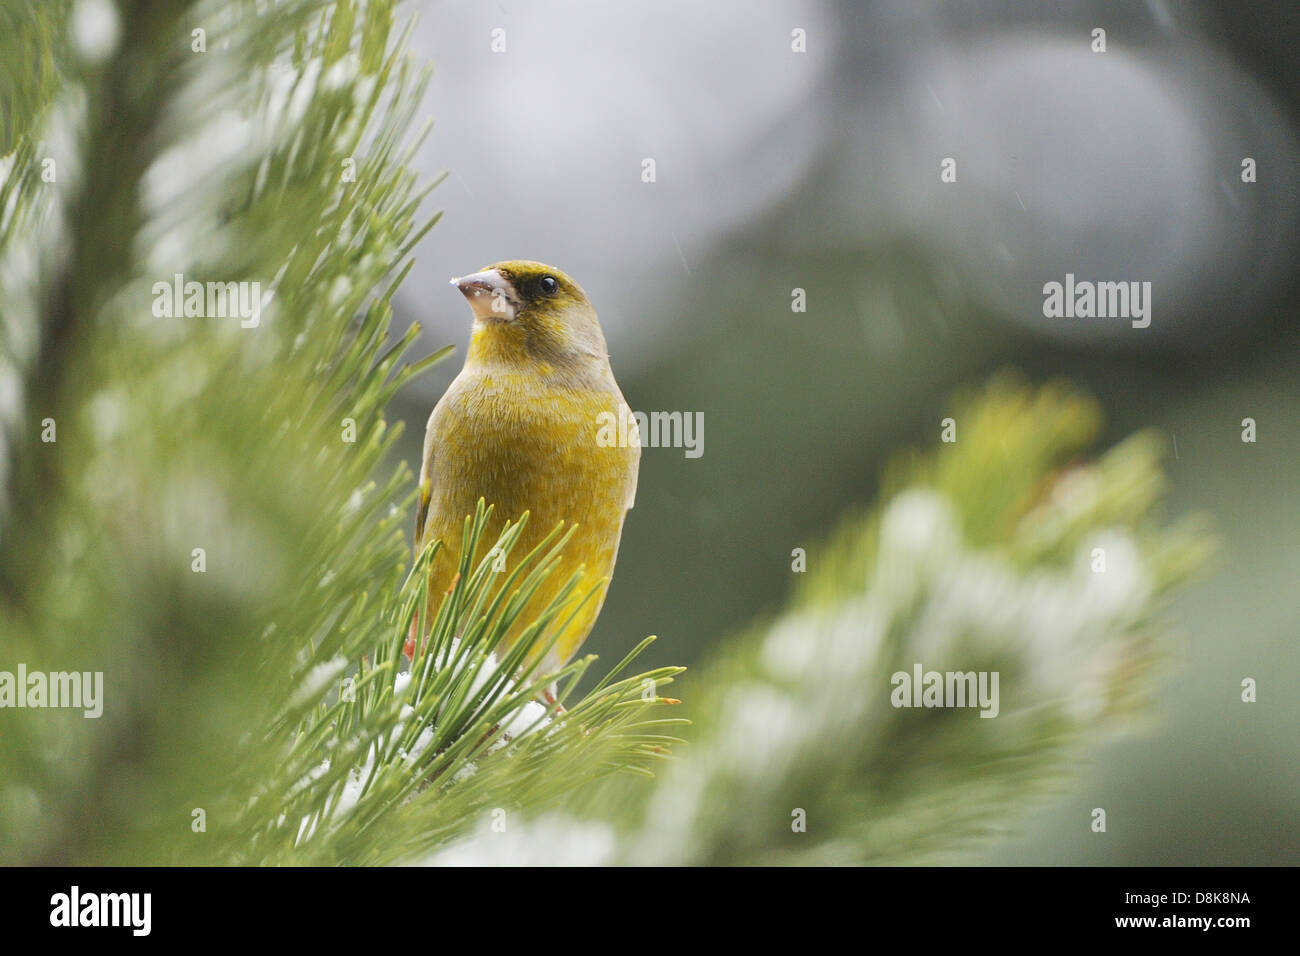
[{"x": 409, "y": 647}]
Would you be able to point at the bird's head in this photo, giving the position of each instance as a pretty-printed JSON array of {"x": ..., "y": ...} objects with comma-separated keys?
[{"x": 529, "y": 312}]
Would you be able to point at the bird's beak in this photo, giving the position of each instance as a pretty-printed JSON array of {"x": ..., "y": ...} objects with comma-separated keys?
[{"x": 490, "y": 295}]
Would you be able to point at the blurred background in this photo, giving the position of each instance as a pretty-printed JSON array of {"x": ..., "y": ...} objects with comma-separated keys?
[{"x": 777, "y": 168}]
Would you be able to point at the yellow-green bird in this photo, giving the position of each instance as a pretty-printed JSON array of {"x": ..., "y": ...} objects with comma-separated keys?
[{"x": 526, "y": 426}]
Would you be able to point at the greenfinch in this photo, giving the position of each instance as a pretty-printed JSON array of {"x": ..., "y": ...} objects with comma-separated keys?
[{"x": 519, "y": 427}]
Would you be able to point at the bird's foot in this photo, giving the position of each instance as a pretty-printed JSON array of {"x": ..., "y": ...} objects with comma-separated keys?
[{"x": 409, "y": 647}]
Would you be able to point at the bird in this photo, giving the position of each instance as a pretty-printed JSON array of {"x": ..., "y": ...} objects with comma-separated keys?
[{"x": 521, "y": 427}]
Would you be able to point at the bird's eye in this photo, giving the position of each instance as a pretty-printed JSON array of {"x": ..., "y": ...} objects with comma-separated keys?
[{"x": 549, "y": 284}]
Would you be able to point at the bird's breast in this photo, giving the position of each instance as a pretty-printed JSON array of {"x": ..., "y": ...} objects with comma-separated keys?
[{"x": 525, "y": 447}]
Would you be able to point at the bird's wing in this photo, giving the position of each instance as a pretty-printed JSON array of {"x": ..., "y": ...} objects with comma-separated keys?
[
  {"x": 426, "y": 493},
  {"x": 636, "y": 458}
]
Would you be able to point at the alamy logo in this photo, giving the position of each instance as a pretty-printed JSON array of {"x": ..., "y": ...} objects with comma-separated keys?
[
  {"x": 212, "y": 300},
  {"x": 57, "y": 689},
  {"x": 1100, "y": 300},
  {"x": 656, "y": 430},
  {"x": 102, "y": 909},
  {"x": 924, "y": 688}
]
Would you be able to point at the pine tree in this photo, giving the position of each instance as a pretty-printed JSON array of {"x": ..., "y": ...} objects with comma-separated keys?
[{"x": 203, "y": 507}]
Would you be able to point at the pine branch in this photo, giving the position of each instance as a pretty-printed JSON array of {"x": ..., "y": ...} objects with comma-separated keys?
[
  {"x": 398, "y": 761},
  {"x": 121, "y": 113}
]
